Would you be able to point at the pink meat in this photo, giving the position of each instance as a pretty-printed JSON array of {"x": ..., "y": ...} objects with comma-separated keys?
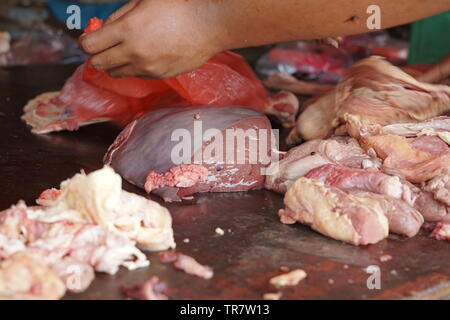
[
  {"x": 186, "y": 264},
  {"x": 442, "y": 231},
  {"x": 181, "y": 176},
  {"x": 351, "y": 178},
  {"x": 152, "y": 289}
]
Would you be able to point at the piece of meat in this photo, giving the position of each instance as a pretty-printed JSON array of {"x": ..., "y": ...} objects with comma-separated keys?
[
  {"x": 315, "y": 153},
  {"x": 394, "y": 196},
  {"x": 433, "y": 199},
  {"x": 60, "y": 240},
  {"x": 403, "y": 218},
  {"x": 91, "y": 96},
  {"x": 234, "y": 144},
  {"x": 417, "y": 159},
  {"x": 25, "y": 276},
  {"x": 291, "y": 278},
  {"x": 439, "y": 186},
  {"x": 434, "y": 126},
  {"x": 89, "y": 224},
  {"x": 441, "y": 231},
  {"x": 334, "y": 213},
  {"x": 192, "y": 267},
  {"x": 152, "y": 289},
  {"x": 346, "y": 178},
  {"x": 98, "y": 198},
  {"x": 187, "y": 264},
  {"x": 431, "y": 209},
  {"x": 379, "y": 93},
  {"x": 181, "y": 176}
]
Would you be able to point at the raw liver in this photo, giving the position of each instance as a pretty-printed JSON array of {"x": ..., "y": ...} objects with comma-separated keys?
[{"x": 146, "y": 145}]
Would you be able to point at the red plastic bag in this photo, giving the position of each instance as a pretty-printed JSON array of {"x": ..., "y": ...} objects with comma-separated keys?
[{"x": 93, "y": 96}]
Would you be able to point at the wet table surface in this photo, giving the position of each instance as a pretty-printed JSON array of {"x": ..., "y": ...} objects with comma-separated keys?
[{"x": 255, "y": 244}]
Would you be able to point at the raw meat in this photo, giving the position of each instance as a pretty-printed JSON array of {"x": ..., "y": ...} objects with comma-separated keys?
[
  {"x": 291, "y": 278},
  {"x": 25, "y": 276},
  {"x": 441, "y": 231},
  {"x": 187, "y": 264},
  {"x": 417, "y": 159},
  {"x": 346, "y": 178},
  {"x": 63, "y": 242},
  {"x": 152, "y": 289},
  {"x": 439, "y": 186},
  {"x": 182, "y": 176},
  {"x": 403, "y": 218},
  {"x": 377, "y": 92},
  {"x": 192, "y": 267},
  {"x": 89, "y": 224},
  {"x": 334, "y": 213},
  {"x": 92, "y": 96},
  {"x": 98, "y": 198},
  {"x": 394, "y": 196},
  {"x": 152, "y": 145},
  {"x": 300, "y": 160}
]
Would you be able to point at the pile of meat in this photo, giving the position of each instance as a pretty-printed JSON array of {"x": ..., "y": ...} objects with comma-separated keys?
[
  {"x": 377, "y": 158},
  {"x": 91, "y": 96},
  {"x": 90, "y": 224}
]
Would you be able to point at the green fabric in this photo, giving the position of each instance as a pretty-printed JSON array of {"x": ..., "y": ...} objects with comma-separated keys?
[{"x": 430, "y": 39}]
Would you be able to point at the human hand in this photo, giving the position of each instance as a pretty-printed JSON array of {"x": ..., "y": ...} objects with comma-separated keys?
[{"x": 155, "y": 39}]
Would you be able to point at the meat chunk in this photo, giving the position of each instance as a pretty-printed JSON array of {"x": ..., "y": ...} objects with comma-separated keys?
[
  {"x": 441, "y": 231},
  {"x": 439, "y": 126},
  {"x": 439, "y": 186},
  {"x": 192, "y": 267},
  {"x": 403, "y": 218},
  {"x": 377, "y": 92},
  {"x": 64, "y": 242},
  {"x": 334, "y": 213},
  {"x": 291, "y": 278},
  {"x": 182, "y": 176},
  {"x": 24, "y": 276},
  {"x": 417, "y": 159},
  {"x": 346, "y": 178},
  {"x": 234, "y": 144},
  {"x": 89, "y": 225},
  {"x": 315, "y": 153},
  {"x": 98, "y": 198},
  {"x": 395, "y": 197},
  {"x": 187, "y": 264},
  {"x": 152, "y": 289},
  {"x": 431, "y": 209}
]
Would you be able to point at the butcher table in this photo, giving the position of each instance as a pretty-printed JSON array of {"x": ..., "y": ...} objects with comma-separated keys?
[{"x": 255, "y": 244}]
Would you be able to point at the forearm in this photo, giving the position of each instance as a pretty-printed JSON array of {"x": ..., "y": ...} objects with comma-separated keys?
[{"x": 245, "y": 23}]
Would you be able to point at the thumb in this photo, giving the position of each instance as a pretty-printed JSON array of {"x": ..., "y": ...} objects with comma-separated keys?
[{"x": 122, "y": 11}]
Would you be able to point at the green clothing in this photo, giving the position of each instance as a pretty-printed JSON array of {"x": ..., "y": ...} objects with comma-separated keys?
[{"x": 430, "y": 39}]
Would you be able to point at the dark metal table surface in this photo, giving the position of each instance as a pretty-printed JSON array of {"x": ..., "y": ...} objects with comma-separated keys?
[{"x": 243, "y": 260}]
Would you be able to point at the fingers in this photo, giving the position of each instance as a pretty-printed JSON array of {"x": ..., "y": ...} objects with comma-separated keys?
[
  {"x": 108, "y": 36},
  {"x": 110, "y": 59},
  {"x": 123, "y": 71},
  {"x": 123, "y": 10}
]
